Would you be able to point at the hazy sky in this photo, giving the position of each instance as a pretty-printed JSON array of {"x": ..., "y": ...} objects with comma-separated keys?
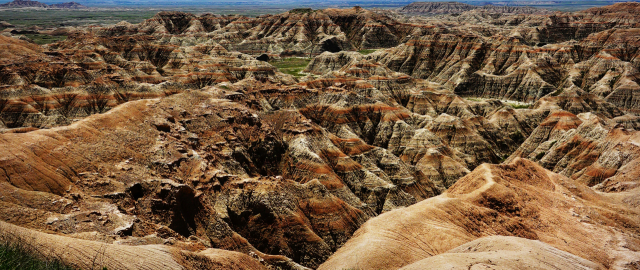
[{"x": 278, "y": 4}]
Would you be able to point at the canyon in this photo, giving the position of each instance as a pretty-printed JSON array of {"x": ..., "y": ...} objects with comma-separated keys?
[{"x": 480, "y": 138}]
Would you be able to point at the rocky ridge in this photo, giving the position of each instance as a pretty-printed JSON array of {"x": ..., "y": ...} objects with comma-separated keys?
[
  {"x": 517, "y": 64},
  {"x": 36, "y": 4},
  {"x": 161, "y": 136},
  {"x": 297, "y": 32},
  {"x": 457, "y": 7}
]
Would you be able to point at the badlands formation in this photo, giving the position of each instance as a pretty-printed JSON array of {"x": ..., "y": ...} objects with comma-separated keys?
[{"x": 474, "y": 140}]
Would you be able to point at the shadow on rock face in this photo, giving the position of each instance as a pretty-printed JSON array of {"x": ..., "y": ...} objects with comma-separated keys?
[
  {"x": 331, "y": 45},
  {"x": 264, "y": 57},
  {"x": 185, "y": 211}
]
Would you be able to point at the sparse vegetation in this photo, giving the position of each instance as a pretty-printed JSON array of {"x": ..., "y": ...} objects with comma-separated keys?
[
  {"x": 519, "y": 106},
  {"x": 97, "y": 99},
  {"x": 614, "y": 80},
  {"x": 367, "y": 51},
  {"x": 292, "y": 66},
  {"x": 67, "y": 103},
  {"x": 517, "y": 137},
  {"x": 41, "y": 39},
  {"x": 45, "y": 18},
  {"x": 18, "y": 257},
  {"x": 301, "y": 10}
]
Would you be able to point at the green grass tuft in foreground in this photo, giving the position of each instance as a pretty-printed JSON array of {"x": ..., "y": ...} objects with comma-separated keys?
[
  {"x": 15, "y": 257},
  {"x": 292, "y": 66}
]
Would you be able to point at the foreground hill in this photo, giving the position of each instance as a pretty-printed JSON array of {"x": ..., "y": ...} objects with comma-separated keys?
[
  {"x": 96, "y": 254},
  {"x": 518, "y": 199}
]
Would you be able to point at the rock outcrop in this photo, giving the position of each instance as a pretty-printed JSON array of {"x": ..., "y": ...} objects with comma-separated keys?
[
  {"x": 514, "y": 64},
  {"x": 89, "y": 74},
  {"x": 595, "y": 151},
  {"x": 299, "y": 32}
]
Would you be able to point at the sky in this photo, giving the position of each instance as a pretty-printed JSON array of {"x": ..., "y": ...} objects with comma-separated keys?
[{"x": 255, "y": 4}]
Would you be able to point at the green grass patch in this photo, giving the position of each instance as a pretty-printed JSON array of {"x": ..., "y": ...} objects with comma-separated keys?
[
  {"x": 44, "y": 39},
  {"x": 17, "y": 257},
  {"x": 519, "y": 106},
  {"x": 367, "y": 51},
  {"x": 62, "y": 18},
  {"x": 292, "y": 66}
]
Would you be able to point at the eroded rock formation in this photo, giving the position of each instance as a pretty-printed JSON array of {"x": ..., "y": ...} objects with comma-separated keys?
[
  {"x": 517, "y": 199},
  {"x": 175, "y": 136},
  {"x": 457, "y": 7}
]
